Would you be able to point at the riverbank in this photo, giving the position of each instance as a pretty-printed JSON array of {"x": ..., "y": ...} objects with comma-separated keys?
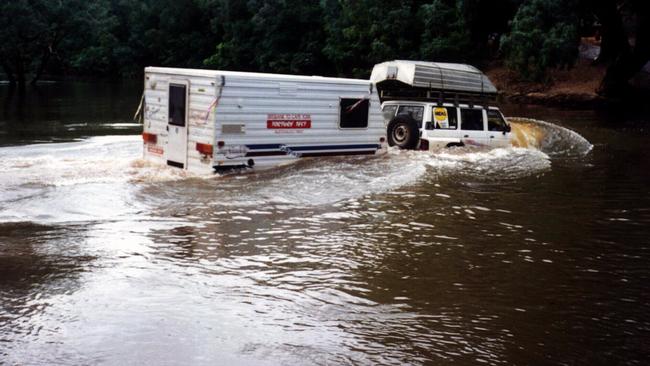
[{"x": 574, "y": 88}]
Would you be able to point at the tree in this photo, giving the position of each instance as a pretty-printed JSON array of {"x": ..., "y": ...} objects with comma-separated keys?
[
  {"x": 446, "y": 36},
  {"x": 623, "y": 59},
  {"x": 34, "y": 32},
  {"x": 362, "y": 33},
  {"x": 544, "y": 34},
  {"x": 134, "y": 34},
  {"x": 18, "y": 39},
  {"x": 486, "y": 21},
  {"x": 288, "y": 36},
  {"x": 236, "y": 49}
]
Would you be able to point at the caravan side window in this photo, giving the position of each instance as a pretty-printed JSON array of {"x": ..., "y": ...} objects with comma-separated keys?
[{"x": 353, "y": 113}]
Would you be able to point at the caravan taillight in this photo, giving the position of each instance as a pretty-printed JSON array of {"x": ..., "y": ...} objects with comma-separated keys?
[
  {"x": 204, "y": 149},
  {"x": 149, "y": 138}
]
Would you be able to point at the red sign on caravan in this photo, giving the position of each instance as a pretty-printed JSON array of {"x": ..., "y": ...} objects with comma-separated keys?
[{"x": 289, "y": 120}]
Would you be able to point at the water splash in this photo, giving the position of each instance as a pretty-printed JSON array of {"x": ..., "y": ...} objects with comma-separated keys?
[
  {"x": 554, "y": 140},
  {"x": 494, "y": 164},
  {"x": 50, "y": 181}
]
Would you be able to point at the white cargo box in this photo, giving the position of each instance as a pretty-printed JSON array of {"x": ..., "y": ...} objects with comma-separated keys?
[
  {"x": 430, "y": 81},
  {"x": 204, "y": 120}
]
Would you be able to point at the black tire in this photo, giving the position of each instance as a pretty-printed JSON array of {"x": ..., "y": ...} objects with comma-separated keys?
[{"x": 403, "y": 132}]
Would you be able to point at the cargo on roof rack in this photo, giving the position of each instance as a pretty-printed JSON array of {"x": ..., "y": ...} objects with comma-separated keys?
[{"x": 432, "y": 81}]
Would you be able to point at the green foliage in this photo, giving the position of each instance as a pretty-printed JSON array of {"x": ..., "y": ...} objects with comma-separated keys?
[
  {"x": 270, "y": 35},
  {"x": 544, "y": 35},
  {"x": 36, "y": 31},
  {"x": 362, "y": 33},
  {"x": 328, "y": 37},
  {"x": 446, "y": 36},
  {"x": 234, "y": 50},
  {"x": 133, "y": 34}
]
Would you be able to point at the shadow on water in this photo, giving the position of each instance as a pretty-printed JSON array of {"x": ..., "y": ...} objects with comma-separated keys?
[
  {"x": 38, "y": 263},
  {"x": 63, "y": 111}
]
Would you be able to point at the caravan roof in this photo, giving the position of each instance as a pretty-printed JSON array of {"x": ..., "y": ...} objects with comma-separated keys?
[{"x": 253, "y": 75}]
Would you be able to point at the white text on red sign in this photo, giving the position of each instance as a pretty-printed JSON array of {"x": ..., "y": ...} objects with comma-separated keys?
[{"x": 289, "y": 120}]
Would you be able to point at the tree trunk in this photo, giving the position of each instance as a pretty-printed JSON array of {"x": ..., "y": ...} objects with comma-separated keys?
[
  {"x": 44, "y": 59},
  {"x": 614, "y": 39},
  {"x": 20, "y": 71},
  {"x": 47, "y": 53},
  {"x": 8, "y": 71},
  {"x": 627, "y": 64}
]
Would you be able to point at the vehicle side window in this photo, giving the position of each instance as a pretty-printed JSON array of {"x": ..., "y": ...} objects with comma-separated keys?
[
  {"x": 444, "y": 118},
  {"x": 495, "y": 121},
  {"x": 414, "y": 111},
  {"x": 389, "y": 112},
  {"x": 353, "y": 113},
  {"x": 471, "y": 119}
]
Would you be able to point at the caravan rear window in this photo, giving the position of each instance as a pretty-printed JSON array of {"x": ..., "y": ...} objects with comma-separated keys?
[
  {"x": 177, "y": 104},
  {"x": 353, "y": 113}
]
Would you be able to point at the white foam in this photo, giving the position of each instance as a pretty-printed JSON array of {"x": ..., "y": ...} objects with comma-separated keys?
[{"x": 51, "y": 179}]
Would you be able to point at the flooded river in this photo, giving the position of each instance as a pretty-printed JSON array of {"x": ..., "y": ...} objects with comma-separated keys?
[{"x": 519, "y": 256}]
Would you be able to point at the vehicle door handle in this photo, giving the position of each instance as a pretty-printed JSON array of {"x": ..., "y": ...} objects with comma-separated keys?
[
  {"x": 466, "y": 136},
  {"x": 491, "y": 137}
]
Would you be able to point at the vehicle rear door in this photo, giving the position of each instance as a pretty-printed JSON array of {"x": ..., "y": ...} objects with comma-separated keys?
[{"x": 472, "y": 125}]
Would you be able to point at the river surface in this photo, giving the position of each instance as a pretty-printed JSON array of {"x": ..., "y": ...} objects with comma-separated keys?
[{"x": 518, "y": 256}]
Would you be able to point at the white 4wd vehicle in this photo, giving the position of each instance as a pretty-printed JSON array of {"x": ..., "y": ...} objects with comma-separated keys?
[
  {"x": 430, "y": 105},
  {"x": 431, "y": 126}
]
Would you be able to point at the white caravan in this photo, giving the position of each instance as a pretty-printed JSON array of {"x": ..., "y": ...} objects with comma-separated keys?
[
  {"x": 206, "y": 120},
  {"x": 430, "y": 105}
]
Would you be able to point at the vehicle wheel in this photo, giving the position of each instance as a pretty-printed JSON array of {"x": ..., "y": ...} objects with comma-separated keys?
[{"x": 403, "y": 133}]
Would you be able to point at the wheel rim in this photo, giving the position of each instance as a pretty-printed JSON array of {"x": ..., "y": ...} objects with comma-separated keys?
[{"x": 400, "y": 134}]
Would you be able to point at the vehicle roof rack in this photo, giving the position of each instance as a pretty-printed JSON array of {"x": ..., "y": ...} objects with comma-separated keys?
[{"x": 432, "y": 82}]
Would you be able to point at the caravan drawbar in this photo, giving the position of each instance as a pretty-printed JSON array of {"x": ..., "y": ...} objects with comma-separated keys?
[{"x": 207, "y": 120}]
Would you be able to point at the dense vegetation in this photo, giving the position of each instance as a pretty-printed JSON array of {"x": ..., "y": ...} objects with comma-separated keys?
[{"x": 328, "y": 37}]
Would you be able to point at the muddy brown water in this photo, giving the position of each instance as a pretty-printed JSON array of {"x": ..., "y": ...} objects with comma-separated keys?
[{"x": 519, "y": 256}]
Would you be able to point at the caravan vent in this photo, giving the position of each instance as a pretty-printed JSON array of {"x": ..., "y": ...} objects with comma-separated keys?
[{"x": 232, "y": 129}]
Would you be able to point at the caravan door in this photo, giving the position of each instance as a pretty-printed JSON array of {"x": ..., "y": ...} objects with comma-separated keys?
[{"x": 177, "y": 124}]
